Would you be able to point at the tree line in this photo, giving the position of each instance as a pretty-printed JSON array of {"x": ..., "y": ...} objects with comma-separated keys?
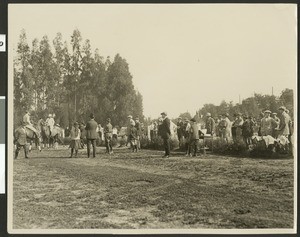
[
  {"x": 71, "y": 81},
  {"x": 252, "y": 106}
]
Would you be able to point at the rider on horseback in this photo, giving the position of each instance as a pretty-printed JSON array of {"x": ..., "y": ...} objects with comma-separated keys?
[
  {"x": 27, "y": 122},
  {"x": 50, "y": 122}
]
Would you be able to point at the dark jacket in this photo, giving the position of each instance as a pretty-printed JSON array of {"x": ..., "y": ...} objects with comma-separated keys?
[
  {"x": 194, "y": 134},
  {"x": 133, "y": 133},
  {"x": 247, "y": 128},
  {"x": 20, "y": 136},
  {"x": 210, "y": 125},
  {"x": 165, "y": 130},
  {"x": 91, "y": 128},
  {"x": 138, "y": 128}
]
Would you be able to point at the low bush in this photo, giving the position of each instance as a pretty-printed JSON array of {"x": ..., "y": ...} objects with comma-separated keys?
[{"x": 157, "y": 143}]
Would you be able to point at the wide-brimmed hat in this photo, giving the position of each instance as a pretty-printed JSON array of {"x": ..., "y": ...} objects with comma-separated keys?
[
  {"x": 267, "y": 111},
  {"x": 208, "y": 114},
  {"x": 179, "y": 118},
  {"x": 49, "y": 115},
  {"x": 193, "y": 120},
  {"x": 274, "y": 113},
  {"x": 282, "y": 108},
  {"x": 136, "y": 118},
  {"x": 164, "y": 113},
  {"x": 129, "y": 116}
]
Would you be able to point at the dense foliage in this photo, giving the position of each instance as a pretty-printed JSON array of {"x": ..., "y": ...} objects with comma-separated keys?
[
  {"x": 252, "y": 106},
  {"x": 72, "y": 83}
]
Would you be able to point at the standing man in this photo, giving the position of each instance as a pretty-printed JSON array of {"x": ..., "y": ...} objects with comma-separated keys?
[
  {"x": 165, "y": 133},
  {"x": 108, "y": 130},
  {"x": 40, "y": 123},
  {"x": 139, "y": 133},
  {"x": 180, "y": 128},
  {"x": 210, "y": 124},
  {"x": 224, "y": 127},
  {"x": 285, "y": 126},
  {"x": 277, "y": 120},
  {"x": 194, "y": 137},
  {"x": 186, "y": 130},
  {"x": 51, "y": 123},
  {"x": 268, "y": 124},
  {"x": 130, "y": 123},
  {"x": 237, "y": 127},
  {"x": 91, "y": 135},
  {"x": 20, "y": 140},
  {"x": 283, "y": 129}
]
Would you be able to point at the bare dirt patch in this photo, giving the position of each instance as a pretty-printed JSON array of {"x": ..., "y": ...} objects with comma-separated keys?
[{"x": 143, "y": 190}]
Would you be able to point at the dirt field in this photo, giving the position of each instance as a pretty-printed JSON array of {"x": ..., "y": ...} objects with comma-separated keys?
[{"x": 143, "y": 190}]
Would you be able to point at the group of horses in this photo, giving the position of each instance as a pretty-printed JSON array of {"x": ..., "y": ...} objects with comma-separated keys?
[{"x": 43, "y": 136}]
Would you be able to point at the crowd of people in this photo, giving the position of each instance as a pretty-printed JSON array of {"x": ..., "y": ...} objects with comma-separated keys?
[
  {"x": 91, "y": 131},
  {"x": 189, "y": 132},
  {"x": 241, "y": 128}
]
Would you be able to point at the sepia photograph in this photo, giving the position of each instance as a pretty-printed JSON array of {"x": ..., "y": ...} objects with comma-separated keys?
[{"x": 152, "y": 118}]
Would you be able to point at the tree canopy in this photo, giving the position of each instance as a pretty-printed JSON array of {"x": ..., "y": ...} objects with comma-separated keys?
[{"x": 72, "y": 83}]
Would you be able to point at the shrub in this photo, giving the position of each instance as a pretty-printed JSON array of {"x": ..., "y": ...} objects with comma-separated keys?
[
  {"x": 66, "y": 140},
  {"x": 217, "y": 145},
  {"x": 122, "y": 140},
  {"x": 157, "y": 143}
]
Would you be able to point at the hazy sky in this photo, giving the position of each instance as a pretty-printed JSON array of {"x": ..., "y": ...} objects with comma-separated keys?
[{"x": 180, "y": 56}]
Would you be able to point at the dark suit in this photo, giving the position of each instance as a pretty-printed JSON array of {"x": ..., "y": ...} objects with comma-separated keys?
[
  {"x": 165, "y": 133},
  {"x": 91, "y": 136},
  {"x": 20, "y": 141}
]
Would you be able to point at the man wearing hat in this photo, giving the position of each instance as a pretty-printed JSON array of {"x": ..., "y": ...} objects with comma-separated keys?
[
  {"x": 210, "y": 124},
  {"x": 91, "y": 135},
  {"x": 277, "y": 120},
  {"x": 130, "y": 123},
  {"x": 165, "y": 133},
  {"x": 180, "y": 130},
  {"x": 20, "y": 140},
  {"x": 108, "y": 129},
  {"x": 236, "y": 128},
  {"x": 138, "y": 131},
  {"x": 26, "y": 118},
  {"x": 194, "y": 137},
  {"x": 27, "y": 123},
  {"x": 224, "y": 127},
  {"x": 186, "y": 134},
  {"x": 268, "y": 124},
  {"x": 50, "y": 122},
  {"x": 283, "y": 128}
]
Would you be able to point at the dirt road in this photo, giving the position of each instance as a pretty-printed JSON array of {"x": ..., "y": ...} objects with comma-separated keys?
[{"x": 143, "y": 190}]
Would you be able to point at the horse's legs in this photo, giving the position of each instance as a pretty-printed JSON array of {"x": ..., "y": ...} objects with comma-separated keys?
[
  {"x": 37, "y": 143},
  {"x": 30, "y": 146}
]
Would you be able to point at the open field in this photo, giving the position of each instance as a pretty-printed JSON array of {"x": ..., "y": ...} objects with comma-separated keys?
[{"x": 143, "y": 190}]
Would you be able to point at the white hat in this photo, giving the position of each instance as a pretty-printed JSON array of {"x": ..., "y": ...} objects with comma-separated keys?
[
  {"x": 208, "y": 114},
  {"x": 50, "y": 115},
  {"x": 129, "y": 116}
]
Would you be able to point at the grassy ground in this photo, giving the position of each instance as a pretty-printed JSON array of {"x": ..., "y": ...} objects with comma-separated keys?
[{"x": 143, "y": 190}]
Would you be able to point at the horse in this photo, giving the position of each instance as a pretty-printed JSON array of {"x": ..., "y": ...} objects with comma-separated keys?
[
  {"x": 51, "y": 138},
  {"x": 33, "y": 136}
]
